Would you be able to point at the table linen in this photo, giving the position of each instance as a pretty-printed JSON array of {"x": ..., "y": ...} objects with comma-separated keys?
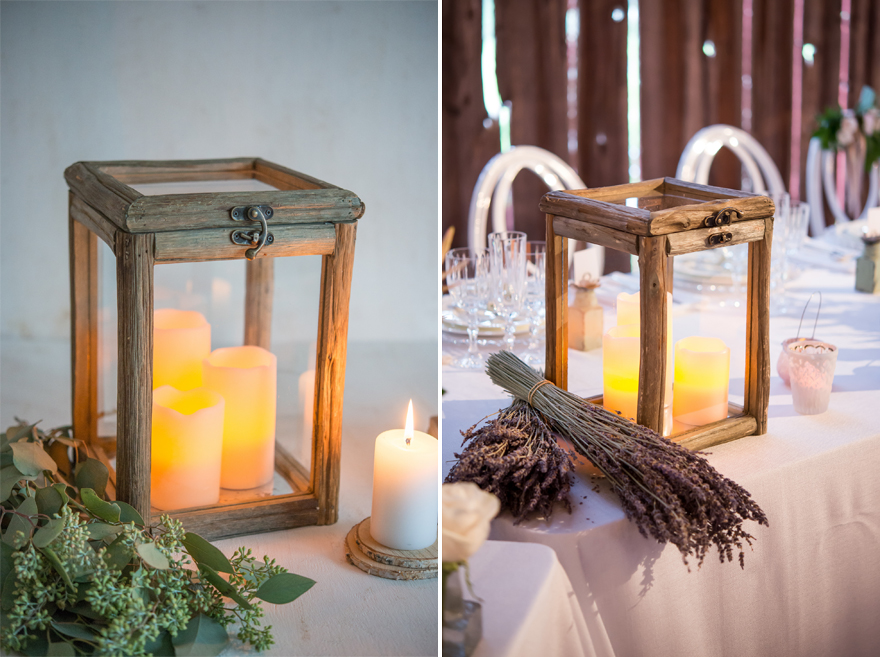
[{"x": 811, "y": 585}]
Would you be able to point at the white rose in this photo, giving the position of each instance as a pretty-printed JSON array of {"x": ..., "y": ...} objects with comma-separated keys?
[
  {"x": 467, "y": 512},
  {"x": 848, "y": 129},
  {"x": 871, "y": 121}
]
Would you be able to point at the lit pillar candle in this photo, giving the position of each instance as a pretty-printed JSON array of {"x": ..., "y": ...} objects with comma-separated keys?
[
  {"x": 247, "y": 379},
  {"x": 187, "y": 441},
  {"x": 702, "y": 377},
  {"x": 620, "y": 370},
  {"x": 405, "y": 484},
  {"x": 629, "y": 312},
  {"x": 181, "y": 340}
]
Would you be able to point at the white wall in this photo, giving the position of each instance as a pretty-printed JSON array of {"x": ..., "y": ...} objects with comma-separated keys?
[{"x": 345, "y": 91}]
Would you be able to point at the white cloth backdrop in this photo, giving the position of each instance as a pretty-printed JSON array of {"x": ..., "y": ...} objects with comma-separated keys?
[
  {"x": 811, "y": 586},
  {"x": 529, "y": 607}
]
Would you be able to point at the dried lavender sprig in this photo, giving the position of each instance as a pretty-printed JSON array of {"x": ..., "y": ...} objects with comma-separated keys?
[
  {"x": 668, "y": 491},
  {"x": 516, "y": 457}
]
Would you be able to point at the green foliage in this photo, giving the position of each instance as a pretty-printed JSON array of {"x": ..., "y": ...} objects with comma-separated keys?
[
  {"x": 866, "y": 116},
  {"x": 83, "y": 575}
]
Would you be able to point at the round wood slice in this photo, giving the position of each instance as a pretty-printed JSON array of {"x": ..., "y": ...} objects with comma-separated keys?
[
  {"x": 357, "y": 558},
  {"x": 424, "y": 558}
]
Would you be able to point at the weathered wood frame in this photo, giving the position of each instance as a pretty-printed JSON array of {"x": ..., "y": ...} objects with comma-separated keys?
[
  {"x": 310, "y": 217},
  {"x": 656, "y": 237}
]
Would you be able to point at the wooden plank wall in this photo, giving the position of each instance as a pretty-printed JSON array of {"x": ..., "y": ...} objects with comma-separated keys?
[
  {"x": 682, "y": 89},
  {"x": 532, "y": 75},
  {"x": 602, "y": 136}
]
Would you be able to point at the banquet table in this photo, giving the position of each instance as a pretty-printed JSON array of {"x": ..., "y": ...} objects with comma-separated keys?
[
  {"x": 528, "y": 605},
  {"x": 347, "y": 612},
  {"x": 811, "y": 582}
]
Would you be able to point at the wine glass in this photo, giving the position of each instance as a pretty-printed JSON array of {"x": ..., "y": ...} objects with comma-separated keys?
[
  {"x": 507, "y": 251},
  {"x": 536, "y": 253},
  {"x": 467, "y": 279}
]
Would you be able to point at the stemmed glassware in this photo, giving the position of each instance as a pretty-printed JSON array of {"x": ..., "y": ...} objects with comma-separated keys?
[
  {"x": 467, "y": 279},
  {"x": 507, "y": 252},
  {"x": 536, "y": 253}
]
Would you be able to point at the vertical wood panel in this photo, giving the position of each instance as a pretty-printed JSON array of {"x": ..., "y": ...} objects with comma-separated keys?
[
  {"x": 821, "y": 29},
  {"x": 683, "y": 90},
  {"x": 864, "y": 50},
  {"x": 757, "y": 375},
  {"x": 532, "y": 76},
  {"x": 652, "y": 345},
  {"x": 602, "y": 133},
  {"x": 84, "y": 330},
  {"x": 467, "y": 143},
  {"x": 259, "y": 293},
  {"x": 772, "y": 39},
  {"x": 330, "y": 373},
  {"x": 134, "y": 292}
]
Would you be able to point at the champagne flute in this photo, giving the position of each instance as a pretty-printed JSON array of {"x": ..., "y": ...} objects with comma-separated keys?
[
  {"x": 508, "y": 267},
  {"x": 467, "y": 279},
  {"x": 536, "y": 253}
]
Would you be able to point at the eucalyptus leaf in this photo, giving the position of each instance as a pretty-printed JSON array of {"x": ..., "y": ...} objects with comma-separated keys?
[
  {"x": 49, "y": 500},
  {"x": 118, "y": 555},
  {"x": 45, "y": 535},
  {"x": 283, "y": 588},
  {"x": 161, "y": 646},
  {"x": 31, "y": 459},
  {"x": 104, "y": 510},
  {"x": 62, "y": 491},
  {"x": 11, "y": 537},
  {"x": 100, "y": 530},
  {"x": 202, "y": 636},
  {"x": 151, "y": 554},
  {"x": 60, "y": 649},
  {"x": 6, "y": 561},
  {"x": 19, "y": 431},
  {"x": 6, "y": 456},
  {"x": 223, "y": 586},
  {"x": 9, "y": 476},
  {"x": 49, "y": 553},
  {"x": 127, "y": 513},
  {"x": 83, "y": 608},
  {"x": 203, "y": 552},
  {"x": 93, "y": 474},
  {"x": 8, "y": 594},
  {"x": 75, "y": 630}
]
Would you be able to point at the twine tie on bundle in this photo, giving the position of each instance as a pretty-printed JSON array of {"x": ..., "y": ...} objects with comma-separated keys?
[{"x": 535, "y": 389}]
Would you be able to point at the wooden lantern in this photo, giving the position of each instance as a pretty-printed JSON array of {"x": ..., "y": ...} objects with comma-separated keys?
[
  {"x": 657, "y": 220},
  {"x": 300, "y": 215}
]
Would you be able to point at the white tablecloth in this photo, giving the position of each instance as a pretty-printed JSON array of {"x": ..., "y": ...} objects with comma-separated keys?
[
  {"x": 347, "y": 612},
  {"x": 812, "y": 584},
  {"x": 529, "y": 607}
]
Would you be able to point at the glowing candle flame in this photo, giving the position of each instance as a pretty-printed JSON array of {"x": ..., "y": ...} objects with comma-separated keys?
[{"x": 408, "y": 431}]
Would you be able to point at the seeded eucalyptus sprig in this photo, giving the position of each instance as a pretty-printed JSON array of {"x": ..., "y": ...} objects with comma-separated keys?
[
  {"x": 85, "y": 575},
  {"x": 668, "y": 491}
]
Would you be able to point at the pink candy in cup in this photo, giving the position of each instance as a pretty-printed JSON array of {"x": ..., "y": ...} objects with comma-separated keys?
[{"x": 811, "y": 364}]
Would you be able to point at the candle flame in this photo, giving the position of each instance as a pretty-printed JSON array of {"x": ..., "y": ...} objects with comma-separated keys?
[{"x": 408, "y": 431}]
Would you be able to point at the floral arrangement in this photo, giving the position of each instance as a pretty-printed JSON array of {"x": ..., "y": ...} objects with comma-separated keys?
[
  {"x": 85, "y": 575},
  {"x": 857, "y": 128}
]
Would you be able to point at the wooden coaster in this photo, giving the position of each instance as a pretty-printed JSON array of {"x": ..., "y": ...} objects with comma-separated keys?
[
  {"x": 357, "y": 557},
  {"x": 425, "y": 558}
]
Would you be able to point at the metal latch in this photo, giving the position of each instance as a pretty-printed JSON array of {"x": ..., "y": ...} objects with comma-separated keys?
[
  {"x": 719, "y": 238},
  {"x": 256, "y": 238},
  {"x": 721, "y": 218}
]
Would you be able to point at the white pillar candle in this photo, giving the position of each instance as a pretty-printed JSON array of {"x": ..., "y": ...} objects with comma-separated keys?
[
  {"x": 247, "y": 379},
  {"x": 702, "y": 377},
  {"x": 629, "y": 312},
  {"x": 187, "y": 442},
  {"x": 620, "y": 370},
  {"x": 181, "y": 341},
  {"x": 405, "y": 484}
]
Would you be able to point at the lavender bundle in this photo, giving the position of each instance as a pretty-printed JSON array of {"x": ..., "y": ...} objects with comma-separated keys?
[
  {"x": 516, "y": 457},
  {"x": 668, "y": 491}
]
